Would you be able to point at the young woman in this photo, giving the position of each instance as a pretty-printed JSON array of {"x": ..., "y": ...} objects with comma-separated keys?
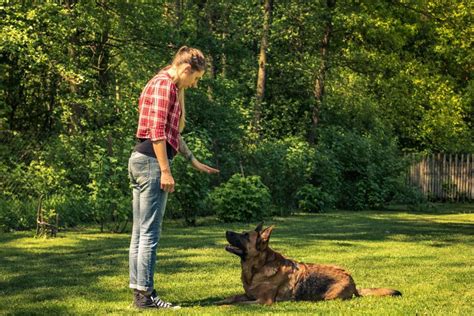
[{"x": 161, "y": 121}]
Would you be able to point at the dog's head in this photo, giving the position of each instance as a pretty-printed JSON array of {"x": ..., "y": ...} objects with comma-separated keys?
[{"x": 248, "y": 244}]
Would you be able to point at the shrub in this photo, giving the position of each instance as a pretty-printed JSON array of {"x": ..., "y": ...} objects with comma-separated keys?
[
  {"x": 192, "y": 186},
  {"x": 412, "y": 197},
  {"x": 109, "y": 194},
  {"x": 284, "y": 167},
  {"x": 313, "y": 200},
  {"x": 23, "y": 187},
  {"x": 242, "y": 199},
  {"x": 219, "y": 121},
  {"x": 326, "y": 176},
  {"x": 370, "y": 168},
  {"x": 17, "y": 214},
  {"x": 72, "y": 206}
]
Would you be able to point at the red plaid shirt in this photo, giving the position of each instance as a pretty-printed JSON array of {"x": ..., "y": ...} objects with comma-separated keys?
[{"x": 159, "y": 110}]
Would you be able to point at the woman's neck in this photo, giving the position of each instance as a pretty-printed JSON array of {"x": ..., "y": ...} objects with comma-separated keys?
[{"x": 173, "y": 72}]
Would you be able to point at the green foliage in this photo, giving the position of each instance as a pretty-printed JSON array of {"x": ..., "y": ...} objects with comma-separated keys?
[
  {"x": 241, "y": 199},
  {"x": 219, "y": 120},
  {"x": 17, "y": 214},
  {"x": 312, "y": 199},
  {"x": 284, "y": 166},
  {"x": 24, "y": 187},
  {"x": 109, "y": 192},
  {"x": 327, "y": 175},
  {"x": 397, "y": 77},
  {"x": 73, "y": 207},
  {"x": 370, "y": 168},
  {"x": 28, "y": 186},
  {"x": 44, "y": 179},
  {"x": 190, "y": 196},
  {"x": 412, "y": 197}
]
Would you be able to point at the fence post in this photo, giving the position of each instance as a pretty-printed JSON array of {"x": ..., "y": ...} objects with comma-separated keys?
[
  {"x": 443, "y": 178},
  {"x": 470, "y": 188},
  {"x": 462, "y": 178}
]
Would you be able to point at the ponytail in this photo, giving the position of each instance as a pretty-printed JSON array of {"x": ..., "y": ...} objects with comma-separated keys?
[{"x": 195, "y": 58}]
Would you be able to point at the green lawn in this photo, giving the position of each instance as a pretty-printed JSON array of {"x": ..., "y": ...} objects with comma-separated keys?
[{"x": 427, "y": 256}]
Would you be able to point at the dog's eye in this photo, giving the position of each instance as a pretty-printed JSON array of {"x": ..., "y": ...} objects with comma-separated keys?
[{"x": 246, "y": 235}]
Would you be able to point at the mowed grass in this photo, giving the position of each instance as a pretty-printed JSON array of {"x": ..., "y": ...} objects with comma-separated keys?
[{"x": 427, "y": 256}]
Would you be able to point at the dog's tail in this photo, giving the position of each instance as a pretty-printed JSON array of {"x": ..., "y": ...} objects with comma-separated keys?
[{"x": 378, "y": 292}]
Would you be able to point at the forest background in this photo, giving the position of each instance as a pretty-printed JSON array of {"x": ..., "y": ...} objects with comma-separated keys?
[{"x": 305, "y": 106}]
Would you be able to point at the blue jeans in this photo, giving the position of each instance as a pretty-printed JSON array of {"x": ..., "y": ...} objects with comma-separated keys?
[{"x": 149, "y": 203}]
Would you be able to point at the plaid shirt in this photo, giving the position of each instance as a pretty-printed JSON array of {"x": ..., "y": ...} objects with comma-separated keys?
[{"x": 159, "y": 110}]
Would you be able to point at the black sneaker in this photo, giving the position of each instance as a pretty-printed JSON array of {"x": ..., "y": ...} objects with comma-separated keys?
[{"x": 152, "y": 301}]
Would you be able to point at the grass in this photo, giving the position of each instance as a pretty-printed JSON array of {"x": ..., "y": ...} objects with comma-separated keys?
[{"x": 427, "y": 256}]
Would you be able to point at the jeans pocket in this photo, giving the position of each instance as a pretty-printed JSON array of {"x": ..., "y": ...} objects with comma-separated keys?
[{"x": 140, "y": 169}]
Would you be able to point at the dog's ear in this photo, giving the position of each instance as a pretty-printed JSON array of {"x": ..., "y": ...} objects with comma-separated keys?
[
  {"x": 263, "y": 237},
  {"x": 259, "y": 227},
  {"x": 265, "y": 234}
]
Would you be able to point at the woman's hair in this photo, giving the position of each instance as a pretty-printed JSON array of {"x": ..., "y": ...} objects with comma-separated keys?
[
  {"x": 192, "y": 56},
  {"x": 195, "y": 58}
]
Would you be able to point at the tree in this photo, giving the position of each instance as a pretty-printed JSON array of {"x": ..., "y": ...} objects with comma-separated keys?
[{"x": 262, "y": 61}]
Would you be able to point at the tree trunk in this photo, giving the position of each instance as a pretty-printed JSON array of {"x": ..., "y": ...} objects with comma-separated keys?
[
  {"x": 206, "y": 32},
  {"x": 262, "y": 61},
  {"x": 53, "y": 86},
  {"x": 76, "y": 110},
  {"x": 321, "y": 72},
  {"x": 103, "y": 64}
]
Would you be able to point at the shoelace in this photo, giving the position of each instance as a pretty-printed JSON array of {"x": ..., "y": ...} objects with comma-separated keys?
[{"x": 160, "y": 303}]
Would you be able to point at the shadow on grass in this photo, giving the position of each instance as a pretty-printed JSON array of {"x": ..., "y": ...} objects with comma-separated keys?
[
  {"x": 51, "y": 273},
  {"x": 346, "y": 227},
  {"x": 435, "y": 208},
  {"x": 208, "y": 301}
]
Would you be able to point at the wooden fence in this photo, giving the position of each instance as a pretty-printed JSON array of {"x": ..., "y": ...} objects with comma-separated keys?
[{"x": 444, "y": 177}]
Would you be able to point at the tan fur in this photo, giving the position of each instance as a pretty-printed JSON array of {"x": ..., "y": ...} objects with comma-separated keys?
[{"x": 268, "y": 277}]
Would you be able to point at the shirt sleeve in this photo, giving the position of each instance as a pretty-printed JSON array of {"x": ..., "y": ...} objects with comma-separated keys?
[{"x": 163, "y": 95}]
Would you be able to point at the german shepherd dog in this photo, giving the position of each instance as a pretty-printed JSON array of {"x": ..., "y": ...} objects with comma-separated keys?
[{"x": 269, "y": 277}]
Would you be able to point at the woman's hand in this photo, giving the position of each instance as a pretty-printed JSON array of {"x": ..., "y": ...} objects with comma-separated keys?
[
  {"x": 167, "y": 181},
  {"x": 202, "y": 167}
]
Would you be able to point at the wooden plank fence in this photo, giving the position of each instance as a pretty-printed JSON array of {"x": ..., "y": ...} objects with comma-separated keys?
[{"x": 444, "y": 177}]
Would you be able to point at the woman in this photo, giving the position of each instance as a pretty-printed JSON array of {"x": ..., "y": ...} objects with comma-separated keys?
[{"x": 161, "y": 121}]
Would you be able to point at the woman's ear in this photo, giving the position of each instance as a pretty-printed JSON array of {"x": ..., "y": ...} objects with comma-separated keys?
[
  {"x": 188, "y": 69},
  {"x": 184, "y": 69}
]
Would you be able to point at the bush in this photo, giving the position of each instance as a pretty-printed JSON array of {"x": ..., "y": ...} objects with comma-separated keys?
[
  {"x": 284, "y": 167},
  {"x": 218, "y": 120},
  {"x": 412, "y": 197},
  {"x": 192, "y": 186},
  {"x": 72, "y": 206},
  {"x": 242, "y": 199},
  {"x": 326, "y": 177},
  {"x": 370, "y": 168},
  {"x": 109, "y": 195},
  {"x": 313, "y": 200},
  {"x": 23, "y": 187},
  {"x": 17, "y": 214}
]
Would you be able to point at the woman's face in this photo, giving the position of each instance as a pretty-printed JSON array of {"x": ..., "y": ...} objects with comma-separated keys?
[{"x": 189, "y": 78}]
